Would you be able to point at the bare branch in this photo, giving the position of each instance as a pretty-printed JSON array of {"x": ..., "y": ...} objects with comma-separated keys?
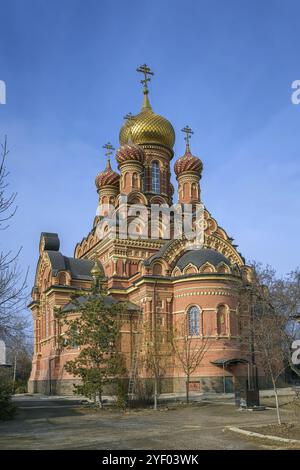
[{"x": 13, "y": 284}]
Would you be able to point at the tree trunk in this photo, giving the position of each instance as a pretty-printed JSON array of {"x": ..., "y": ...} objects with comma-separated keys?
[
  {"x": 187, "y": 385},
  {"x": 155, "y": 393},
  {"x": 277, "y": 403}
]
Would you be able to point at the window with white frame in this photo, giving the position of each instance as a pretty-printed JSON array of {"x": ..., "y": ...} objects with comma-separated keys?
[
  {"x": 194, "y": 320},
  {"x": 155, "y": 178}
]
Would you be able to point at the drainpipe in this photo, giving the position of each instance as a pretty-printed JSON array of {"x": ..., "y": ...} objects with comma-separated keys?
[
  {"x": 154, "y": 342},
  {"x": 50, "y": 376},
  {"x": 249, "y": 378}
]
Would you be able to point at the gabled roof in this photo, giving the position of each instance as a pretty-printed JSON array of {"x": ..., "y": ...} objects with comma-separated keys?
[{"x": 78, "y": 268}]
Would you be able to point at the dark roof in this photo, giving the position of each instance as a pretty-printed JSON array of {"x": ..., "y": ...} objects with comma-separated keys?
[
  {"x": 108, "y": 300},
  {"x": 199, "y": 257},
  {"x": 51, "y": 241},
  {"x": 78, "y": 268}
]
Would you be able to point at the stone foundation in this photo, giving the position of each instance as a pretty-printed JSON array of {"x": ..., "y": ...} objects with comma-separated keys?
[
  {"x": 166, "y": 385},
  {"x": 57, "y": 387}
]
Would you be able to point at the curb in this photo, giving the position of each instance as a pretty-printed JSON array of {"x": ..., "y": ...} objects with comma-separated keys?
[{"x": 261, "y": 436}]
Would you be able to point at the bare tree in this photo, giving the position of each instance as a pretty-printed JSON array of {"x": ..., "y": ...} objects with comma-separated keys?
[
  {"x": 156, "y": 355},
  {"x": 189, "y": 350},
  {"x": 269, "y": 324},
  {"x": 13, "y": 295},
  {"x": 284, "y": 295},
  {"x": 268, "y": 328}
]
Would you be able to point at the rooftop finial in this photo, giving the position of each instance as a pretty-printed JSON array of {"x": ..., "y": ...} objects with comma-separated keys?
[
  {"x": 109, "y": 150},
  {"x": 130, "y": 118},
  {"x": 188, "y": 132},
  {"x": 97, "y": 275},
  {"x": 146, "y": 71}
]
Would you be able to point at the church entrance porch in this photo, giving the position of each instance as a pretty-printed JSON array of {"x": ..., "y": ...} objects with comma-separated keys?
[{"x": 235, "y": 381}]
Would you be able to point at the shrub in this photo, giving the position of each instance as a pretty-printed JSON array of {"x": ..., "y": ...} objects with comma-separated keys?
[
  {"x": 121, "y": 395},
  {"x": 7, "y": 408}
]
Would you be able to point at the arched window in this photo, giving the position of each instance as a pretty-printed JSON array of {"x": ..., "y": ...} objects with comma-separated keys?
[
  {"x": 155, "y": 178},
  {"x": 186, "y": 188},
  {"x": 194, "y": 190},
  {"x": 126, "y": 184},
  {"x": 157, "y": 269},
  {"x": 193, "y": 320},
  {"x": 222, "y": 319},
  {"x": 62, "y": 279},
  {"x": 135, "y": 180}
]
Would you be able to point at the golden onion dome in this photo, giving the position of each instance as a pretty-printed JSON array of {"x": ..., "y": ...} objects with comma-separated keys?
[
  {"x": 96, "y": 270},
  {"x": 148, "y": 127}
]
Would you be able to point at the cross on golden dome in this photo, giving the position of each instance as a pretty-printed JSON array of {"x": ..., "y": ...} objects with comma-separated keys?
[
  {"x": 146, "y": 71},
  {"x": 129, "y": 117},
  {"x": 147, "y": 127},
  {"x": 188, "y": 132}
]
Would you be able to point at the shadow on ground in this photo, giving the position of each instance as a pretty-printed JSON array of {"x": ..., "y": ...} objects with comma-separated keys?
[{"x": 50, "y": 423}]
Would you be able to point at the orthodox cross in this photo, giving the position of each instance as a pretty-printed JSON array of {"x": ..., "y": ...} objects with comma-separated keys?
[
  {"x": 188, "y": 132},
  {"x": 129, "y": 117},
  {"x": 109, "y": 149},
  {"x": 146, "y": 71}
]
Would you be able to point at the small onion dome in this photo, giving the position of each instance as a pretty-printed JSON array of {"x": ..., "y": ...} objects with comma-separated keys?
[
  {"x": 108, "y": 177},
  {"x": 130, "y": 152},
  {"x": 188, "y": 163},
  {"x": 96, "y": 271}
]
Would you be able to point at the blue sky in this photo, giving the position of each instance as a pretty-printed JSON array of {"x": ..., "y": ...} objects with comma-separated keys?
[{"x": 224, "y": 68}]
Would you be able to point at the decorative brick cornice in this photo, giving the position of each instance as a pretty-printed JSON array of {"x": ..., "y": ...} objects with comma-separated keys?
[{"x": 226, "y": 293}]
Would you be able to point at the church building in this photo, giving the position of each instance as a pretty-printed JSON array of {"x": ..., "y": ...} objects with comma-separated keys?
[{"x": 167, "y": 282}]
